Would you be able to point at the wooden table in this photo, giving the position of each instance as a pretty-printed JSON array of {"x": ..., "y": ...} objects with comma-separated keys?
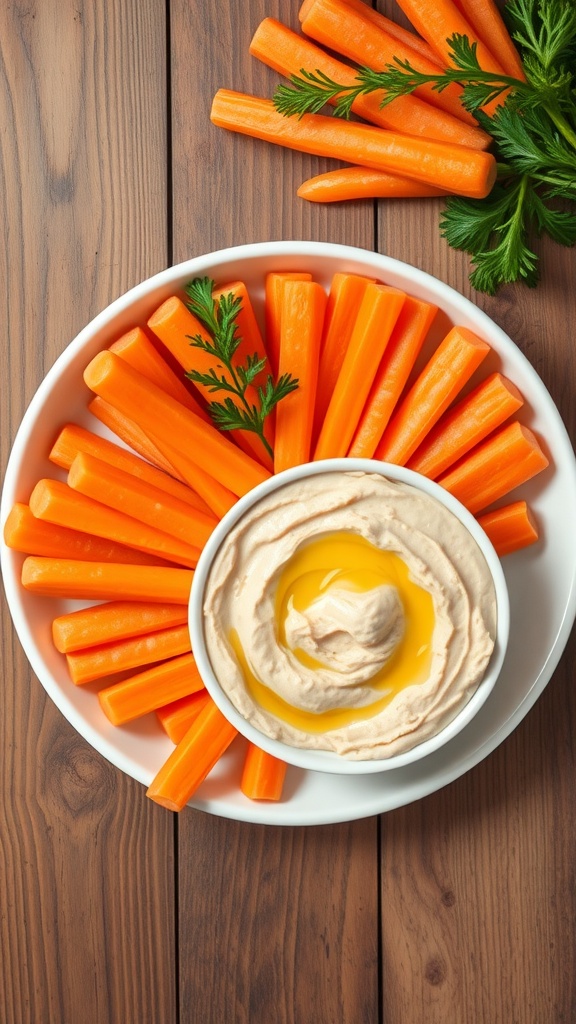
[{"x": 457, "y": 909}]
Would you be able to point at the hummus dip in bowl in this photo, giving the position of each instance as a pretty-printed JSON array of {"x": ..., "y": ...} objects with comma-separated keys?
[{"x": 349, "y": 616}]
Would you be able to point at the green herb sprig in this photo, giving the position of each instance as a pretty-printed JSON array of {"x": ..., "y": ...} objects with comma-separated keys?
[{"x": 220, "y": 318}]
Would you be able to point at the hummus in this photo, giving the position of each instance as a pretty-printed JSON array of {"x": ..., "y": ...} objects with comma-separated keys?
[{"x": 349, "y": 613}]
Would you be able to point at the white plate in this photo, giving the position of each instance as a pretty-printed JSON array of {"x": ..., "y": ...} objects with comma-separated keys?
[{"x": 541, "y": 580}]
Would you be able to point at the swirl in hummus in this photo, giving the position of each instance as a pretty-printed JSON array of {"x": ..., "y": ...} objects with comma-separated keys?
[{"x": 350, "y": 613}]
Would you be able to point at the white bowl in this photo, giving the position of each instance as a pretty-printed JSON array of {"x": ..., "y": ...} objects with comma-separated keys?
[{"x": 324, "y": 760}]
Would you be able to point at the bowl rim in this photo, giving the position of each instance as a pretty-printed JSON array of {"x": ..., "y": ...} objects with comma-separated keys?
[{"x": 323, "y": 760}]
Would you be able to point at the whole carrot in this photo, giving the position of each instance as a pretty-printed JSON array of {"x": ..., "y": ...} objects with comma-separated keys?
[{"x": 346, "y": 183}]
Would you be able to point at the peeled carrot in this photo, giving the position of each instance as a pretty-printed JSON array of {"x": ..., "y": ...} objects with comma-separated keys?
[
  {"x": 217, "y": 497},
  {"x": 443, "y": 377},
  {"x": 437, "y": 21},
  {"x": 489, "y": 26},
  {"x": 55, "y": 502},
  {"x": 137, "y": 498},
  {"x": 123, "y": 655},
  {"x": 289, "y": 54},
  {"x": 73, "y": 439},
  {"x": 192, "y": 759},
  {"x": 177, "y": 717},
  {"x": 492, "y": 402},
  {"x": 496, "y": 466},
  {"x": 139, "y": 351},
  {"x": 129, "y": 432},
  {"x": 347, "y": 183},
  {"x": 169, "y": 421},
  {"x": 402, "y": 35},
  {"x": 301, "y": 326},
  {"x": 146, "y": 691},
  {"x": 273, "y": 302},
  {"x": 407, "y": 338},
  {"x": 102, "y": 581},
  {"x": 248, "y": 329},
  {"x": 456, "y": 169},
  {"x": 510, "y": 527},
  {"x": 375, "y": 322},
  {"x": 262, "y": 775},
  {"x": 24, "y": 532},
  {"x": 114, "y": 620}
]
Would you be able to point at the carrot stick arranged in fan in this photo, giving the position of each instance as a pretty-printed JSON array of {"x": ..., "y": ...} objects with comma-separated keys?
[
  {"x": 252, "y": 341},
  {"x": 467, "y": 423},
  {"x": 129, "y": 432},
  {"x": 146, "y": 691},
  {"x": 496, "y": 466},
  {"x": 410, "y": 330},
  {"x": 262, "y": 774},
  {"x": 55, "y": 502},
  {"x": 140, "y": 353},
  {"x": 123, "y": 655},
  {"x": 375, "y": 322},
  {"x": 441, "y": 380},
  {"x": 457, "y": 169},
  {"x": 510, "y": 527},
  {"x": 217, "y": 497},
  {"x": 169, "y": 421},
  {"x": 301, "y": 327},
  {"x": 487, "y": 22},
  {"x": 348, "y": 183},
  {"x": 113, "y": 621},
  {"x": 177, "y": 717},
  {"x": 272, "y": 307},
  {"x": 105, "y": 581},
  {"x": 192, "y": 759}
]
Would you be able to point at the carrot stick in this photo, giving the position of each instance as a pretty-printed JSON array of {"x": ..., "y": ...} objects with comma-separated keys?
[
  {"x": 443, "y": 377},
  {"x": 55, "y": 502},
  {"x": 401, "y": 353},
  {"x": 355, "y": 34},
  {"x": 218, "y": 498},
  {"x": 290, "y": 54},
  {"x": 175, "y": 326},
  {"x": 465, "y": 424},
  {"x": 93, "y": 581},
  {"x": 348, "y": 183},
  {"x": 146, "y": 691},
  {"x": 73, "y": 439},
  {"x": 402, "y": 35},
  {"x": 139, "y": 351},
  {"x": 262, "y": 775},
  {"x": 128, "y": 432},
  {"x": 344, "y": 301},
  {"x": 273, "y": 303},
  {"x": 161, "y": 416},
  {"x": 192, "y": 759},
  {"x": 496, "y": 466},
  {"x": 510, "y": 527},
  {"x": 123, "y": 655},
  {"x": 457, "y": 169},
  {"x": 114, "y": 620},
  {"x": 24, "y": 532},
  {"x": 487, "y": 22},
  {"x": 177, "y": 717},
  {"x": 137, "y": 498},
  {"x": 377, "y": 316},
  {"x": 301, "y": 325},
  {"x": 252, "y": 341},
  {"x": 438, "y": 20}
]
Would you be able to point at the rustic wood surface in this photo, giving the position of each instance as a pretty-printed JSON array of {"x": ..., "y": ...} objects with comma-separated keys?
[{"x": 456, "y": 909}]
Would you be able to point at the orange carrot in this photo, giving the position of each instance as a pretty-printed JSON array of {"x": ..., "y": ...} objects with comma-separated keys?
[
  {"x": 438, "y": 20},
  {"x": 401, "y": 353},
  {"x": 510, "y": 527},
  {"x": 175, "y": 326},
  {"x": 301, "y": 325},
  {"x": 465, "y": 424},
  {"x": 114, "y": 620},
  {"x": 129, "y": 432},
  {"x": 192, "y": 759},
  {"x": 443, "y": 377},
  {"x": 139, "y": 351},
  {"x": 123, "y": 655},
  {"x": 218, "y": 498},
  {"x": 377, "y": 316},
  {"x": 290, "y": 54},
  {"x": 248, "y": 329},
  {"x": 344, "y": 301},
  {"x": 496, "y": 466},
  {"x": 402, "y": 35},
  {"x": 273, "y": 290},
  {"x": 356, "y": 35},
  {"x": 161, "y": 416},
  {"x": 457, "y": 169},
  {"x": 487, "y": 22},
  {"x": 24, "y": 532},
  {"x": 262, "y": 775},
  {"x": 146, "y": 691},
  {"x": 73, "y": 439},
  {"x": 348, "y": 183},
  {"x": 177, "y": 717},
  {"x": 102, "y": 581},
  {"x": 137, "y": 498}
]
